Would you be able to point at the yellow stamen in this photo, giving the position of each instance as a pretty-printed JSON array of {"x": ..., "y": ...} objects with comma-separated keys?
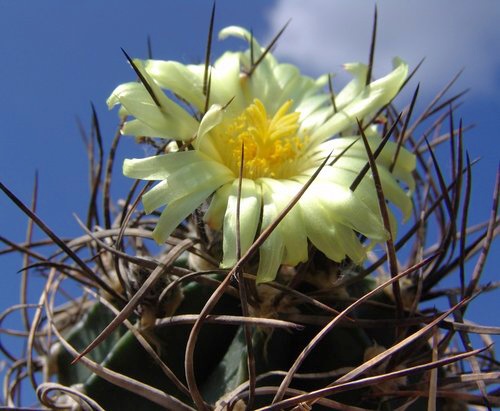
[{"x": 271, "y": 145}]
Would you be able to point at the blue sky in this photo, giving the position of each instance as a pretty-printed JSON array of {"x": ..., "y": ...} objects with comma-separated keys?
[{"x": 58, "y": 57}]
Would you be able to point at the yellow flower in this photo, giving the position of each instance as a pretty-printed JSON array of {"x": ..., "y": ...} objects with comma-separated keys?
[{"x": 286, "y": 125}]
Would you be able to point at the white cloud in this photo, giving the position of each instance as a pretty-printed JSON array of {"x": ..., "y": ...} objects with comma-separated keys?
[{"x": 450, "y": 34}]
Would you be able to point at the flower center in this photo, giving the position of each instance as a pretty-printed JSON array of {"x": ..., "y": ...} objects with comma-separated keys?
[{"x": 271, "y": 144}]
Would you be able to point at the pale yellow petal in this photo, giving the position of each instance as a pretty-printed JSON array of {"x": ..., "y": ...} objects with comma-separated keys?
[
  {"x": 346, "y": 208},
  {"x": 178, "y": 210},
  {"x": 203, "y": 143},
  {"x": 292, "y": 227},
  {"x": 214, "y": 216},
  {"x": 193, "y": 175},
  {"x": 151, "y": 105},
  {"x": 250, "y": 210},
  {"x": 156, "y": 197},
  {"x": 271, "y": 251},
  {"x": 161, "y": 166},
  {"x": 185, "y": 81},
  {"x": 373, "y": 97},
  {"x": 321, "y": 231}
]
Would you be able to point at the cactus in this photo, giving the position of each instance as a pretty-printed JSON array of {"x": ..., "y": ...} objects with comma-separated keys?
[{"x": 275, "y": 281}]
